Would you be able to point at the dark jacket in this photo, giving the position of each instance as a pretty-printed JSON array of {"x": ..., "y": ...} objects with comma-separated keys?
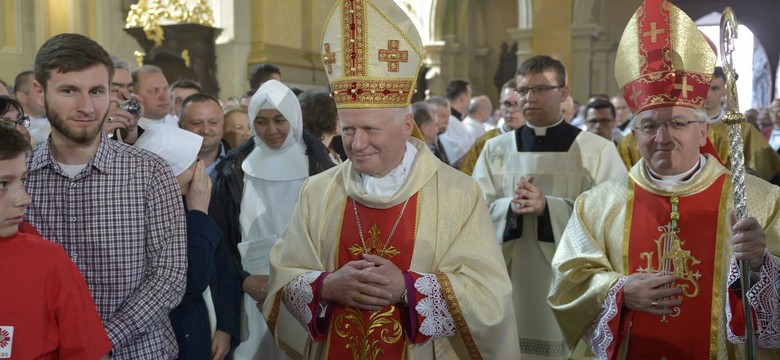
[
  {"x": 226, "y": 195},
  {"x": 208, "y": 265}
]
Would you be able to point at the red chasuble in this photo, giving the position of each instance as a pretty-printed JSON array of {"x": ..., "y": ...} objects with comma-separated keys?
[
  {"x": 360, "y": 334},
  {"x": 693, "y": 255}
]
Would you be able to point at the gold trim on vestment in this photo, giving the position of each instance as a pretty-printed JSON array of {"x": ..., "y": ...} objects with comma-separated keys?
[
  {"x": 627, "y": 223},
  {"x": 717, "y": 269},
  {"x": 457, "y": 315},
  {"x": 274, "y": 316}
]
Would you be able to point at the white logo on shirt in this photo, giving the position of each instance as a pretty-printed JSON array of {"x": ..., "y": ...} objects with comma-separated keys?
[{"x": 6, "y": 341}]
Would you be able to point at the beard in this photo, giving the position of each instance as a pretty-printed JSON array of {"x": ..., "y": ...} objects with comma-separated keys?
[{"x": 82, "y": 137}]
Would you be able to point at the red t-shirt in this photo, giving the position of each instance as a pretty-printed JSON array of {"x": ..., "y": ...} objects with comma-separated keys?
[{"x": 46, "y": 311}]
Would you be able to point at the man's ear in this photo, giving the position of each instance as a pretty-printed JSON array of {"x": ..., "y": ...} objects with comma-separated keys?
[
  {"x": 565, "y": 91},
  {"x": 37, "y": 92}
]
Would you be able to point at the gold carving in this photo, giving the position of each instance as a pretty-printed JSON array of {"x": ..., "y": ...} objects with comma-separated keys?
[
  {"x": 185, "y": 55},
  {"x": 349, "y": 325},
  {"x": 150, "y": 14},
  {"x": 139, "y": 57}
]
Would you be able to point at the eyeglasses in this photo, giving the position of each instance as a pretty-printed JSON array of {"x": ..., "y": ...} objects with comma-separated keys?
[
  {"x": 598, "y": 121},
  {"x": 536, "y": 90},
  {"x": 651, "y": 127},
  {"x": 23, "y": 121}
]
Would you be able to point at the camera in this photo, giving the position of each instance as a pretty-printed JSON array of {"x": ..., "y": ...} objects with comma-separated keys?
[{"x": 131, "y": 106}]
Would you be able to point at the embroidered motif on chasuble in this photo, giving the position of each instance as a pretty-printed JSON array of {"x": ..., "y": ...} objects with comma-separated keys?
[
  {"x": 360, "y": 334},
  {"x": 693, "y": 255}
]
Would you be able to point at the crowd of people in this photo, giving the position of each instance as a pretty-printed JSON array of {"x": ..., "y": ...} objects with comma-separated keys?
[{"x": 142, "y": 220}]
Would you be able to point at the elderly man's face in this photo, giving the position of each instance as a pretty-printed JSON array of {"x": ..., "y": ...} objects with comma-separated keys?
[
  {"x": 669, "y": 138},
  {"x": 375, "y": 139}
]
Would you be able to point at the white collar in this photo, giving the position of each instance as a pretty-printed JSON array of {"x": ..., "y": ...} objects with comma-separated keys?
[
  {"x": 542, "y": 130},
  {"x": 389, "y": 184},
  {"x": 666, "y": 182}
]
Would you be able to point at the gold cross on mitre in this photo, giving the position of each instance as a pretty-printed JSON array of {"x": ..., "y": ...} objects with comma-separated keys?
[
  {"x": 392, "y": 56},
  {"x": 653, "y": 33},
  {"x": 328, "y": 58},
  {"x": 635, "y": 93},
  {"x": 684, "y": 87}
]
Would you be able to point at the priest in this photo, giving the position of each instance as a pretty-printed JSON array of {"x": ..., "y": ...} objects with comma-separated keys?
[
  {"x": 530, "y": 177},
  {"x": 391, "y": 254},
  {"x": 648, "y": 265}
]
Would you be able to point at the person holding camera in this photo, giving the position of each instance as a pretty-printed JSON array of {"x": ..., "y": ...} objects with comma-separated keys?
[{"x": 126, "y": 108}]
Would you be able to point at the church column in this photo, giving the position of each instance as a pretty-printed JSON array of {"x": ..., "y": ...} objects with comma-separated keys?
[
  {"x": 603, "y": 68},
  {"x": 524, "y": 39},
  {"x": 580, "y": 69}
]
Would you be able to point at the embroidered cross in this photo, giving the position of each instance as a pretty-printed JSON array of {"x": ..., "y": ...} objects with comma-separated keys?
[
  {"x": 392, "y": 56},
  {"x": 329, "y": 58},
  {"x": 653, "y": 33},
  {"x": 684, "y": 87},
  {"x": 635, "y": 93}
]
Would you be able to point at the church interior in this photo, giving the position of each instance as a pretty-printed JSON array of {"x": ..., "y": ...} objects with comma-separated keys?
[{"x": 217, "y": 42}]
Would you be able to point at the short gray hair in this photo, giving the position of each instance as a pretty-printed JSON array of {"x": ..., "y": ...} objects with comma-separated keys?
[
  {"x": 146, "y": 69},
  {"x": 438, "y": 101}
]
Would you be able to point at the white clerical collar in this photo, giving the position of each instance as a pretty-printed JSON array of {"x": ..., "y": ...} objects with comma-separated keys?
[
  {"x": 716, "y": 118},
  {"x": 389, "y": 184},
  {"x": 542, "y": 130},
  {"x": 666, "y": 182}
]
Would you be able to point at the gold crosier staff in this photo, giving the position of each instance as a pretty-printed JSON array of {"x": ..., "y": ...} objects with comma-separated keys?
[{"x": 734, "y": 118}]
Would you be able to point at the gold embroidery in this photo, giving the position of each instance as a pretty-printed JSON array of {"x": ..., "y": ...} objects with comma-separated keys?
[
  {"x": 373, "y": 245},
  {"x": 673, "y": 260},
  {"x": 653, "y": 33},
  {"x": 328, "y": 58},
  {"x": 349, "y": 325},
  {"x": 355, "y": 34},
  {"x": 684, "y": 87},
  {"x": 274, "y": 316},
  {"x": 635, "y": 93},
  {"x": 457, "y": 315},
  {"x": 372, "y": 92},
  {"x": 393, "y": 56}
]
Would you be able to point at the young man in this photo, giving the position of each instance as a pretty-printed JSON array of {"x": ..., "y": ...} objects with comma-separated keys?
[
  {"x": 48, "y": 312},
  {"x": 114, "y": 208},
  {"x": 529, "y": 178}
]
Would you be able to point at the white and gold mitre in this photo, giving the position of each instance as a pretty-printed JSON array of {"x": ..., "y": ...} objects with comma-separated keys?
[{"x": 372, "y": 54}]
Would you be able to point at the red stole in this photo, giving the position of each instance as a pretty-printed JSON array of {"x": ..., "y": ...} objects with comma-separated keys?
[
  {"x": 359, "y": 334},
  {"x": 691, "y": 332}
]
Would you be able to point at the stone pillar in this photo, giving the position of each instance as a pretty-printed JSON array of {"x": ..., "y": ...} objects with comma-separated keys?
[
  {"x": 524, "y": 39},
  {"x": 580, "y": 69}
]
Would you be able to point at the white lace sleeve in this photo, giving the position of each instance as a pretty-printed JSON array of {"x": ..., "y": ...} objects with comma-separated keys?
[
  {"x": 599, "y": 337},
  {"x": 438, "y": 321},
  {"x": 764, "y": 297},
  {"x": 298, "y": 295}
]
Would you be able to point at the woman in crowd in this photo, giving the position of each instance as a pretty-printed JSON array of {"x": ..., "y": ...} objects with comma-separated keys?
[{"x": 254, "y": 195}]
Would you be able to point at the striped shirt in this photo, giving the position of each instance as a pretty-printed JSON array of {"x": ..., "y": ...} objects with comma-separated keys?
[{"x": 121, "y": 220}]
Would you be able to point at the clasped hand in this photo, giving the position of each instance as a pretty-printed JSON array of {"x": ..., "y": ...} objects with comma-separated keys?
[
  {"x": 367, "y": 284},
  {"x": 528, "y": 199}
]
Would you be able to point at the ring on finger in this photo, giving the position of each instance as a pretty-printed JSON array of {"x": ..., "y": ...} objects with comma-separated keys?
[
  {"x": 654, "y": 303},
  {"x": 110, "y": 119},
  {"x": 358, "y": 298}
]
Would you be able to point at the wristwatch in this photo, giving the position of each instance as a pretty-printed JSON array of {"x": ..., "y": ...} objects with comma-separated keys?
[{"x": 405, "y": 297}]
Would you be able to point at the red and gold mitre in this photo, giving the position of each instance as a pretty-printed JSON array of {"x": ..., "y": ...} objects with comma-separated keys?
[
  {"x": 663, "y": 59},
  {"x": 372, "y": 54}
]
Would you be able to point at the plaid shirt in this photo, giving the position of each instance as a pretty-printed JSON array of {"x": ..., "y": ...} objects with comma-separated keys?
[{"x": 121, "y": 220}]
